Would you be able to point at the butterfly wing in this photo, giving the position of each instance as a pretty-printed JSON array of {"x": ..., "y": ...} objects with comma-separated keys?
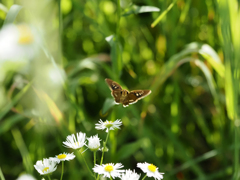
[
  {"x": 117, "y": 95},
  {"x": 123, "y": 96},
  {"x": 136, "y": 95},
  {"x": 113, "y": 85},
  {"x": 116, "y": 90}
]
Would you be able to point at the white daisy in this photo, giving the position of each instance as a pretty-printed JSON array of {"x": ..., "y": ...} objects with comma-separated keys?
[
  {"x": 108, "y": 170},
  {"x": 18, "y": 42},
  {"x": 94, "y": 143},
  {"x": 74, "y": 143},
  {"x": 46, "y": 166},
  {"x": 26, "y": 177},
  {"x": 151, "y": 170},
  {"x": 130, "y": 175},
  {"x": 64, "y": 157},
  {"x": 108, "y": 125}
]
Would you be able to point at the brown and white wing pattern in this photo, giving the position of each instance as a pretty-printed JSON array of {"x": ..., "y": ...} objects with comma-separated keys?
[
  {"x": 117, "y": 96},
  {"x": 116, "y": 90},
  {"x": 113, "y": 85},
  {"x": 124, "y": 96},
  {"x": 136, "y": 95}
]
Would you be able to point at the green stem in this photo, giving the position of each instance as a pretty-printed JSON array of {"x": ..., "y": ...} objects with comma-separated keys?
[
  {"x": 236, "y": 153},
  {"x": 144, "y": 177},
  {"x": 49, "y": 177},
  {"x": 104, "y": 147},
  {"x": 60, "y": 28},
  {"x": 94, "y": 161},
  {"x": 87, "y": 165},
  {"x": 62, "y": 169},
  {"x": 94, "y": 154},
  {"x": 118, "y": 18},
  {"x": 110, "y": 177}
]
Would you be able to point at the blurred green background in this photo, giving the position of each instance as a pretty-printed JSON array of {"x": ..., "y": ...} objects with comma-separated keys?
[{"x": 187, "y": 54}]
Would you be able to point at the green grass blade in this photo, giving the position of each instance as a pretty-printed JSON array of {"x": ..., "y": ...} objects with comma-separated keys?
[
  {"x": 12, "y": 14},
  {"x": 8, "y": 107},
  {"x": 129, "y": 149},
  {"x": 115, "y": 55},
  {"x": 3, "y": 8},
  {"x": 134, "y": 9},
  {"x": 9, "y": 123},
  {"x": 1, "y": 175},
  {"x": 23, "y": 150},
  {"x": 108, "y": 103},
  {"x": 163, "y": 14}
]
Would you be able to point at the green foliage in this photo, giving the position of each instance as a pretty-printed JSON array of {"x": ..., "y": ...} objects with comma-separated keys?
[{"x": 187, "y": 54}]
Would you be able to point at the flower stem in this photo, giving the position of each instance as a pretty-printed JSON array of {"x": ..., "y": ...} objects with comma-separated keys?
[
  {"x": 87, "y": 165},
  {"x": 144, "y": 177},
  {"x": 104, "y": 147},
  {"x": 110, "y": 177},
  {"x": 94, "y": 154},
  {"x": 94, "y": 161},
  {"x": 49, "y": 177},
  {"x": 62, "y": 169}
]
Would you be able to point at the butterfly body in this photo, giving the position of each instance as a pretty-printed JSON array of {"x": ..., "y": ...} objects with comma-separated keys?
[{"x": 124, "y": 96}]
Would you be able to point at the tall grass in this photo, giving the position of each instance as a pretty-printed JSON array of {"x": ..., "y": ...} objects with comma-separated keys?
[{"x": 187, "y": 54}]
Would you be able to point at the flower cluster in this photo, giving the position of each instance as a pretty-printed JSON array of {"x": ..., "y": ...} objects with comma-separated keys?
[{"x": 109, "y": 170}]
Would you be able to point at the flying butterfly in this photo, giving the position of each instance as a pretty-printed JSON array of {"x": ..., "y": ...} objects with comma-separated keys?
[{"x": 124, "y": 96}]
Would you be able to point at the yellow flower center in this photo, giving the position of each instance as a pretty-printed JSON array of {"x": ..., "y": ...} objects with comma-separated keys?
[
  {"x": 26, "y": 36},
  {"x": 61, "y": 156},
  {"x": 152, "y": 168},
  {"x": 76, "y": 143},
  {"x": 45, "y": 169},
  {"x": 109, "y": 124},
  {"x": 108, "y": 168}
]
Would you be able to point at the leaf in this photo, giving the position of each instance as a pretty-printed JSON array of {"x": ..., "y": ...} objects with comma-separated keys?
[
  {"x": 3, "y": 8},
  {"x": 8, "y": 123},
  {"x": 12, "y": 14},
  {"x": 109, "y": 102},
  {"x": 210, "y": 54},
  {"x": 209, "y": 77},
  {"x": 182, "y": 57},
  {"x": 7, "y": 108},
  {"x": 163, "y": 14},
  {"x": 115, "y": 54},
  {"x": 134, "y": 9},
  {"x": 129, "y": 149},
  {"x": 54, "y": 110}
]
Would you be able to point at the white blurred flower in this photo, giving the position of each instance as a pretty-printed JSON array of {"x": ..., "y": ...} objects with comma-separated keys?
[
  {"x": 74, "y": 143},
  {"x": 93, "y": 143},
  {"x": 26, "y": 177},
  {"x": 18, "y": 43},
  {"x": 151, "y": 170},
  {"x": 63, "y": 157},
  {"x": 46, "y": 166},
  {"x": 108, "y": 125},
  {"x": 130, "y": 175},
  {"x": 56, "y": 75},
  {"x": 109, "y": 170}
]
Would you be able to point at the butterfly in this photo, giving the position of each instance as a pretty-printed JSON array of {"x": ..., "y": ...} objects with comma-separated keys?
[{"x": 124, "y": 96}]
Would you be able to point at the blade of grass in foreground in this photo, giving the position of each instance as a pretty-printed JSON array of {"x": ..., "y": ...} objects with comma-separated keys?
[
  {"x": 229, "y": 16},
  {"x": 163, "y": 14},
  {"x": 3, "y": 8},
  {"x": 1, "y": 175},
  {"x": 23, "y": 150},
  {"x": 8, "y": 107},
  {"x": 12, "y": 14}
]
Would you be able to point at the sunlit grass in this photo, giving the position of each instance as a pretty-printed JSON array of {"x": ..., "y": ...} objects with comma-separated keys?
[{"x": 188, "y": 126}]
